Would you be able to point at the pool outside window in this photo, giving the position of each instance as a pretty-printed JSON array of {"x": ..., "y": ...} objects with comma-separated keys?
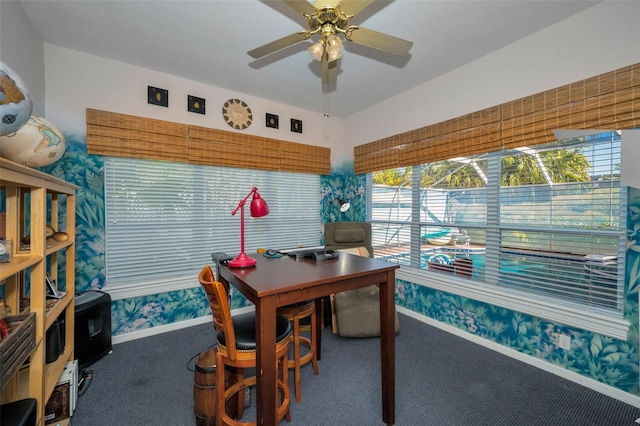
[{"x": 544, "y": 224}]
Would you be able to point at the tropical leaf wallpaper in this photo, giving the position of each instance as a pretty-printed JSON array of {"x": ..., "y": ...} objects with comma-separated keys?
[
  {"x": 343, "y": 184},
  {"x": 607, "y": 360}
]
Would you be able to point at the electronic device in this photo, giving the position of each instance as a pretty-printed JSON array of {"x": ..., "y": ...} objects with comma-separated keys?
[
  {"x": 221, "y": 257},
  {"x": 271, "y": 252},
  {"x": 92, "y": 310},
  {"x": 302, "y": 253},
  {"x": 55, "y": 340},
  {"x": 325, "y": 255},
  {"x": 313, "y": 253}
]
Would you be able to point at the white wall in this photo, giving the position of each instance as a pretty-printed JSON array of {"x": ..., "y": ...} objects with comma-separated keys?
[
  {"x": 76, "y": 81},
  {"x": 21, "y": 50},
  {"x": 600, "y": 39}
]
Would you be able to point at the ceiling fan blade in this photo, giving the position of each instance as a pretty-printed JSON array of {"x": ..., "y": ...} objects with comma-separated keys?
[
  {"x": 302, "y": 6},
  {"x": 281, "y": 43},
  {"x": 377, "y": 40},
  {"x": 353, "y": 7},
  {"x": 329, "y": 72}
]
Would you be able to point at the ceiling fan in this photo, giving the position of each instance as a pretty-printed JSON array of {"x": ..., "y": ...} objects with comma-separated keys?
[{"x": 329, "y": 19}]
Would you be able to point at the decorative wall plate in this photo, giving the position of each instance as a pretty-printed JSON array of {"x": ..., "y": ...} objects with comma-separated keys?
[
  {"x": 195, "y": 104},
  {"x": 296, "y": 125},
  {"x": 157, "y": 96},
  {"x": 237, "y": 114},
  {"x": 272, "y": 121}
]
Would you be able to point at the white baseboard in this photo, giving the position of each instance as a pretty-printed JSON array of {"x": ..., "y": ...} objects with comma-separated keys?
[
  {"x": 536, "y": 362},
  {"x": 139, "y": 334}
]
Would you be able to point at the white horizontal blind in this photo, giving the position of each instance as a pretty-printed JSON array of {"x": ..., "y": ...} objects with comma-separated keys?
[
  {"x": 393, "y": 206},
  {"x": 547, "y": 220},
  {"x": 560, "y": 221},
  {"x": 163, "y": 219}
]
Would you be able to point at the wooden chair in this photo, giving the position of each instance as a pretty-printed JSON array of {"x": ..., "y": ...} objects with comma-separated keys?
[
  {"x": 296, "y": 313},
  {"x": 236, "y": 346}
]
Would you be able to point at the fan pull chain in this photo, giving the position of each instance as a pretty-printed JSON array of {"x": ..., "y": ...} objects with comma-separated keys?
[{"x": 325, "y": 106}]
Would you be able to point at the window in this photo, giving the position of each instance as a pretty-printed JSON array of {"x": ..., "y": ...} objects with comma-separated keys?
[
  {"x": 163, "y": 219},
  {"x": 544, "y": 225}
]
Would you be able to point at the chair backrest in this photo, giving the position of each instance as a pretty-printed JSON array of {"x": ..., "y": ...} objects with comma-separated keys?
[
  {"x": 341, "y": 235},
  {"x": 220, "y": 310}
]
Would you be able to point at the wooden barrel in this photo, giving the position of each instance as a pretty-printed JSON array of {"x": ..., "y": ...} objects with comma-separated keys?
[{"x": 204, "y": 389}]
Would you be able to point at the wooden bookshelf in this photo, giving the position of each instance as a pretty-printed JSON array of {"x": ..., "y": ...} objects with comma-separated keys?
[{"x": 35, "y": 200}]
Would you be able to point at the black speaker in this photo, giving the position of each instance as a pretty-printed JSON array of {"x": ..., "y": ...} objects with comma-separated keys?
[{"x": 55, "y": 340}]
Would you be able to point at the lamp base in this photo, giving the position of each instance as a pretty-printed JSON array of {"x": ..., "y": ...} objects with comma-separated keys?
[{"x": 242, "y": 261}]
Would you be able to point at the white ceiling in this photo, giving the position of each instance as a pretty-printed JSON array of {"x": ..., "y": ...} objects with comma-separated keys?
[{"x": 207, "y": 41}]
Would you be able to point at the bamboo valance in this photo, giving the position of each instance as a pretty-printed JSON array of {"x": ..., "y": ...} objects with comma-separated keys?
[
  {"x": 609, "y": 101},
  {"x": 120, "y": 135}
]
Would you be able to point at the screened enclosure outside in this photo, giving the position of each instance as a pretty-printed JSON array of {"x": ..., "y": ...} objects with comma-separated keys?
[{"x": 546, "y": 220}]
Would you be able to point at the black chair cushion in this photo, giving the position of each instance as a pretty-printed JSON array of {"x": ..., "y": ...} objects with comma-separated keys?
[
  {"x": 245, "y": 329},
  {"x": 297, "y": 304}
]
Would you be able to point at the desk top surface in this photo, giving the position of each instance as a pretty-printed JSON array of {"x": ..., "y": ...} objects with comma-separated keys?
[{"x": 278, "y": 275}]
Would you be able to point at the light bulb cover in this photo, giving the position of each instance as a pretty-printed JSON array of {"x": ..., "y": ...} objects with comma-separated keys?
[
  {"x": 334, "y": 41},
  {"x": 316, "y": 50},
  {"x": 333, "y": 54},
  {"x": 344, "y": 206}
]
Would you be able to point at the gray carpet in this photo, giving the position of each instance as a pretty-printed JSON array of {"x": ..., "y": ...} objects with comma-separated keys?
[{"x": 441, "y": 379}]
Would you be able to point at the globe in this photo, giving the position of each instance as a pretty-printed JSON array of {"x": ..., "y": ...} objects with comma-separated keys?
[
  {"x": 38, "y": 143},
  {"x": 15, "y": 102}
]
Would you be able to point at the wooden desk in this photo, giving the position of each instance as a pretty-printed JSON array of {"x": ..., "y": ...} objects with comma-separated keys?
[{"x": 278, "y": 282}]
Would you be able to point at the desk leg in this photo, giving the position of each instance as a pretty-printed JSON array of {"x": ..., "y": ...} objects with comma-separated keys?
[
  {"x": 388, "y": 348},
  {"x": 319, "y": 325},
  {"x": 266, "y": 376}
]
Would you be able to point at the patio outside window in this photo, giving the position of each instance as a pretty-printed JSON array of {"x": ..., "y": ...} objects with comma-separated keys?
[{"x": 544, "y": 222}]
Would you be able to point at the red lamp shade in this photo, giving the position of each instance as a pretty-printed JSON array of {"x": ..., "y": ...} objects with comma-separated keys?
[{"x": 259, "y": 208}]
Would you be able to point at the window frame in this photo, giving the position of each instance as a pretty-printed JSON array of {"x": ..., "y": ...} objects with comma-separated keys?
[
  {"x": 600, "y": 321},
  {"x": 212, "y": 194}
]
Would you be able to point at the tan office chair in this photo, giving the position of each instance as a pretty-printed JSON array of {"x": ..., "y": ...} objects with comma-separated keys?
[
  {"x": 236, "y": 348},
  {"x": 296, "y": 313},
  {"x": 355, "y": 313}
]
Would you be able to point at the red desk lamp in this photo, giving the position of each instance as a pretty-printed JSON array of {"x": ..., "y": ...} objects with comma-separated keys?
[{"x": 259, "y": 208}]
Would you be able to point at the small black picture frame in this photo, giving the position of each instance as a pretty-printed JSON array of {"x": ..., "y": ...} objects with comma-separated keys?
[
  {"x": 195, "y": 104},
  {"x": 296, "y": 125},
  {"x": 157, "y": 96},
  {"x": 272, "y": 121}
]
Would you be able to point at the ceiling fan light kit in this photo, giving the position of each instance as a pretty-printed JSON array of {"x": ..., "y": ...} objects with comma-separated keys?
[
  {"x": 333, "y": 48},
  {"x": 316, "y": 50},
  {"x": 329, "y": 19},
  {"x": 332, "y": 45}
]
